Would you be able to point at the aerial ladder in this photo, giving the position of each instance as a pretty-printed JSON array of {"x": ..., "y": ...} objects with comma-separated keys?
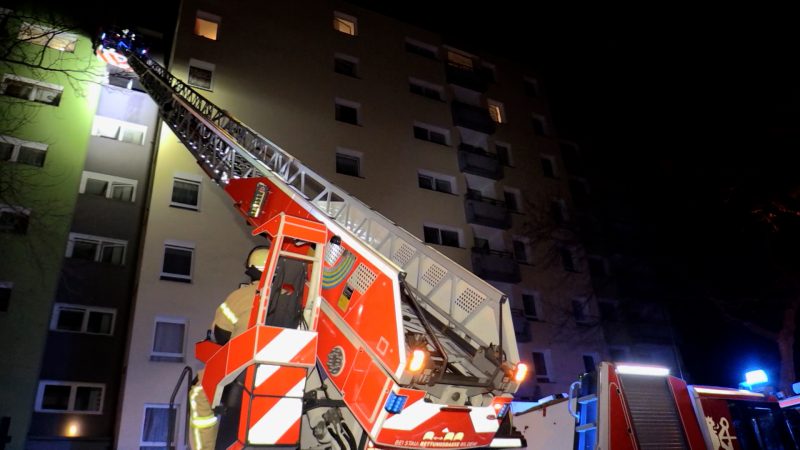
[{"x": 390, "y": 344}]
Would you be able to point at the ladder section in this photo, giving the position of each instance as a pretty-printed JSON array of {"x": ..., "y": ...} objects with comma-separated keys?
[
  {"x": 653, "y": 412},
  {"x": 586, "y": 406},
  {"x": 227, "y": 149}
]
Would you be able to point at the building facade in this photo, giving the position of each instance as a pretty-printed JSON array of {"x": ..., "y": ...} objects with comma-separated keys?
[{"x": 457, "y": 148}]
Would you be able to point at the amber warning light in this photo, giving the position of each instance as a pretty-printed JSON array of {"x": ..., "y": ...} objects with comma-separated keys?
[
  {"x": 521, "y": 372},
  {"x": 417, "y": 361}
]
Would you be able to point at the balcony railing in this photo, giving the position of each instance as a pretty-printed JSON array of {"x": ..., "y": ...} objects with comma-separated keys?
[
  {"x": 477, "y": 161},
  {"x": 495, "y": 265},
  {"x": 486, "y": 211},
  {"x": 473, "y": 117},
  {"x": 466, "y": 77}
]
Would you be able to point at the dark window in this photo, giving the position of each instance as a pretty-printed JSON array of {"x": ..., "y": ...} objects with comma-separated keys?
[
  {"x": 99, "y": 322},
  {"x": 348, "y": 114},
  {"x": 6, "y": 151},
  {"x": 84, "y": 250},
  {"x": 177, "y": 264},
  {"x": 70, "y": 319},
  {"x": 540, "y": 367},
  {"x": 421, "y": 51},
  {"x": 511, "y": 201},
  {"x": 538, "y": 126},
  {"x": 450, "y": 238},
  {"x": 56, "y": 397},
  {"x": 529, "y": 305},
  {"x": 503, "y": 154},
  {"x": 88, "y": 398},
  {"x": 567, "y": 260},
  {"x": 5, "y": 295},
  {"x": 441, "y": 237},
  {"x": 96, "y": 187},
  {"x": 430, "y": 135},
  {"x": 345, "y": 66},
  {"x": 488, "y": 73},
  {"x": 547, "y": 168},
  {"x": 579, "y": 308},
  {"x": 348, "y": 165},
  {"x": 424, "y": 91},
  {"x": 30, "y": 90},
  {"x": 200, "y": 77},
  {"x": 13, "y": 221},
  {"x": 558, "y": 212},
  {"x": 185, "y": 193},
  {"x": 156, "y": 424},
  {"x": 431, "y": 235},
  {"x": 31, "y": 156},
  {"x": 434, "y": 184},
  {"x": 520, "y": 251}
]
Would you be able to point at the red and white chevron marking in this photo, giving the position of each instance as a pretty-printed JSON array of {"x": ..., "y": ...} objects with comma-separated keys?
[
  {"x": 285, "y": 345},
  {"x": 275, "y": 409},
  {"x": 280, "y": 381},
  {"x": 110, "y": 56}
]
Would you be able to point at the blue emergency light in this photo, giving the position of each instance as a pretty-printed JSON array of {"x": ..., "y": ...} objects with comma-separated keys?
[{"x": 395, "y": 403}]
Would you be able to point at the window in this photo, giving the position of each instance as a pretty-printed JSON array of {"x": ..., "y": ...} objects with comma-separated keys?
[
  {"x": 421, "y": 48},
  {"x": 119, "y": 130},
  {"x": 186, "y": 192},
  {"x": 14, "y": 219},
  {"x": 530, "y": 304},
  {"x": 345, "y": 65},
  {"x": 558, "y": 209},
  {"x": 531, "y": 87},
  {"x": 177, "y": 265},
  {"x": 431, "y": 133},
  {"x": 201, "y": 74},
  {"x": 344, "y": 23},
  {"x": 207, "y": 25},
  {"x": 5, "y": 294},
  {"x": 435, "y": 181},
  {"x": 503, "y": 151},
  {"x": 440, "y": 235},
  {"x": 521, "y": 250},
  {"x": 548, "y": 166},
  {"x": 497, "y": 111},
  {"x": 83, "y": 319},
  {"x": 539, "y": 125},
  {"x": 460, "y": 60},
  {"x": 348, "y": 162},
  {"x": 108, "y": 186},
  {"x": 47, "y": 37},
  {"x": 32, "y": 90},
  {"x": 580, "y": 310},
  {"x": 541, "y": 362},
  {"x": 567, "y": 259},
  {"x": 23, "y": 152},
  {"x": 489, "y": 72},
  {"x": 70, "y": 397},
  {"x": 155, "y": 426},
  {"x": 425, "y": 89},
  {"x": 168, "y": 337},
  {"x": 96, "y": 248},
  {"x": 513, "y": 199},
  {"x": 347, "y": 111}
]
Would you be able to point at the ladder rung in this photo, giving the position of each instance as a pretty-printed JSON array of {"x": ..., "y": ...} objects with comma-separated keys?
[
  {"x": 587, "y": 398},
  {"x": 585, "y": 427}
]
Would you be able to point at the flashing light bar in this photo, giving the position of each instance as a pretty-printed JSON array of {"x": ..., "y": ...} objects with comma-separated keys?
[
  {"x": 395, "y": 403},
  {"x": 635, "y": 369},
  {"x": 506, "y": 443},
  {"x": 756, "y": 377},
  {"x": 722, "y": 391}
]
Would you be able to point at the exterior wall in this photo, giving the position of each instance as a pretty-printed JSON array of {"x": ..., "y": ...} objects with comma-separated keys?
[
  {"x": 74, "y": 356},
  {"x": 32, "y": 261},
  {"x": 274, "y": 71}
]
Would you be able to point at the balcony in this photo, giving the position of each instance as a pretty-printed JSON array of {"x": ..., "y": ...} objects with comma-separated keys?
[
  {"x": 478, "y": 161},
  {"x": 466, "y": 77},
  {"x": 487, "y": 211},
  {"x": 495, "y": 265},
  {"x": 473, "y": 117}
]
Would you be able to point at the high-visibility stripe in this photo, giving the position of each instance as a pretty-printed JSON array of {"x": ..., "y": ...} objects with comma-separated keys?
[
  {"x": 226, "y": 311},
  {"x": 204, "y": 422}
]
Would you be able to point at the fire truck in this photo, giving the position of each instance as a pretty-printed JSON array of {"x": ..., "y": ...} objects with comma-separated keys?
[
  {"x": 389, "y": 344},
  {"x": 635, "y": 407}
]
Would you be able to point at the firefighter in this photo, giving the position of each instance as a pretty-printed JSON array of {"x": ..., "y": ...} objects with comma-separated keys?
[{"x": 230, "y": 320}]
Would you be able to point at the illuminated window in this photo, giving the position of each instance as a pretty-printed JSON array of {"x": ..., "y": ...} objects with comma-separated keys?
[
  {"x": 83, "y": 319},
  {"x": 96, "y": 248},
  {"x": 70, "y": 397},
  {"x": 108, "y": 186},
  {"x": 186, "y": 191},
  {"x": 347, "y": 111},
  {"x": 431, "y": 133},
  {"x": 201, "y": 74},
  {"x": 119, "y": 130},
  {"x": 14, "y": 219},
  {"x": 459, "y": 59},
  {"x": 177, "y": 263},
  {"x": 31, "y": 90},
  {"x": 345, "y": 65},
  {"x": 168, "y": 338},
  {"x": 344, "y": 23},
  {"x": 348, "y": 162},
  {"x": 47, "y": 36},
  {"x": 497, "y": 111},
  {"x": 207, "y": 25},
  {"x": 442, "y": 235}
]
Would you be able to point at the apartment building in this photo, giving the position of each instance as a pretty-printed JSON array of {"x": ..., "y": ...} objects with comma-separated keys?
[{"x": 456, "y": 147}]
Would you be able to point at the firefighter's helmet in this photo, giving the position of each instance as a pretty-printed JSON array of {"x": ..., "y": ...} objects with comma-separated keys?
[{"x": 257, "y": 257}]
